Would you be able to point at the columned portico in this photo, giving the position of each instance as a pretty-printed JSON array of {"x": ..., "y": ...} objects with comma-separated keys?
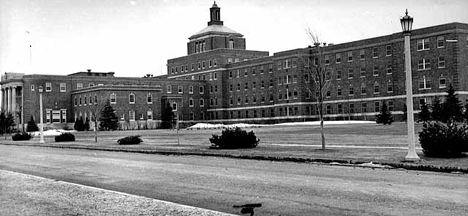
[{"x": 13, "y": 100}]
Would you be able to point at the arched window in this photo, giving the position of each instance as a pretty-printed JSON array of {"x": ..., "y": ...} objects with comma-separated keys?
[{"x": 131, "y": 98}]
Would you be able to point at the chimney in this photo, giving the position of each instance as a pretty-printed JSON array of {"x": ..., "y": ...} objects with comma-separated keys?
[{"x": 89, "y": 70}]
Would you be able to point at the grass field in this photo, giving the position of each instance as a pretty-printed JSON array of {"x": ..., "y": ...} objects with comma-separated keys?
[{"x": 357, "y": 142}]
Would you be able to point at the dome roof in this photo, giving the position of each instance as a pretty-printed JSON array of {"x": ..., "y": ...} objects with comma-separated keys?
[{"x": 215, "y": 29}]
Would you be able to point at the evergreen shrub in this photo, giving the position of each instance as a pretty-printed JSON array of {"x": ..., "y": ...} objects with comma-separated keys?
[
  {"x": 443, "y": 140},
  {"x": 130, "y": 140},
  {"x": 21, "y": 136},
  {"x": 234, "y": 138},
  {"x": 65, "y": 137}
]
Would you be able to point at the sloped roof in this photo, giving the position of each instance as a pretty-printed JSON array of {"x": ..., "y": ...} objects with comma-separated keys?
[{"x": 215, "y": 29}]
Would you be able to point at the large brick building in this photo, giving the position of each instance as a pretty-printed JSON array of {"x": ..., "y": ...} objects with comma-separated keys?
[{"x": 220, "y": 81}]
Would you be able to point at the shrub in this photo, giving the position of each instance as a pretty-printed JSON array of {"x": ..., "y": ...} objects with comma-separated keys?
[
  {"x": 65, "y": 137},
  {"x": 385, "y": 116},
  {"x": 21, "y": 136},
  {"x": 32, "y": 126},
  {"x": 130, "y": 140},
  {"x": 441, "y": 140},
  {"x": 234, "y": 138}
]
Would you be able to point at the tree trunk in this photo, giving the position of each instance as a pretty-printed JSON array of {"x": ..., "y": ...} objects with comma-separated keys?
[
  {"x": 322, "y": 134},
  {"x": 95, "y": 131}
]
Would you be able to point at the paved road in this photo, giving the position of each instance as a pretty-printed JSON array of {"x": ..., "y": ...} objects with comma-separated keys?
[{"x": 218, "y": 183}]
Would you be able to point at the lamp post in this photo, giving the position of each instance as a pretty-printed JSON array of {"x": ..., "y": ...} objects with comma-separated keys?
[
  {"x": 406, "y": 25},
  {"x": 41, "y": 128}
]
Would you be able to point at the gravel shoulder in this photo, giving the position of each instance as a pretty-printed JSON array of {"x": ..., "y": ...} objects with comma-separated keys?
[{"x": 22, "y": 194}]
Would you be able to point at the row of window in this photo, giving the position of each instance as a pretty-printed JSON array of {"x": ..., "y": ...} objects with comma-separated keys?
[
  {"x": 262, "y": 85},
  {"x": 56, "y": 116},
  {"x": 180, "y": 89},
  {"x": 85, "y": 100},
  {"x": 48, "y": 87},
  {"x": 201, "y": 65},
  {"x": 245, "y": 71}
]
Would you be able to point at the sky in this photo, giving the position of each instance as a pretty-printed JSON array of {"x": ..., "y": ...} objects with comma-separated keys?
[{"x": 137, "y": 37}]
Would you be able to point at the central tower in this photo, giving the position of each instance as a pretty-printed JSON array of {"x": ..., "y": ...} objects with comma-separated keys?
[{"x": 215, "y": 36}]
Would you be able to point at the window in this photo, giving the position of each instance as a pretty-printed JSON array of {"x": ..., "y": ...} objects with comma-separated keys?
[
  {"x": 377, "y": 106},
  {"x": 85, "y": 100},
  {"x": 63, "y": 87},
  {"x": 389, "y": 69},
  {"x": 131, "y": 115},
  {"x": 142, "y": 116},
  {"x": 306, "y": 78},
  {"x": 79, "y": 85},
  {"x": 390, "y": 105},
  {"x": 363, "y": 89},
  {"x": 246, "y": 86},
  {"x": 215, "y": 76},
  {"x": 113, "y": 98},
  {"x": 202, "y": 102},
  {"x": 210, "y": 64},
  {"x": 362, "y": 73},
  {"x": 190, "y": 102},
  {"x": 350, "y": 74},
  {"x": 338, "y": 75},
  {"x": 423, "y": 44},
  {"x": 271, "y": 83},
  {"x": 76, "y": 101},
  {"x": 339, "y": 92},
  {"x": 338, "y": 58},
  {"x": 91, "y": 85},
  {"x": 440, "y": 42},
  {"x": 424, "y": 64},
  {"x": 441, "y": 62},
  {"x": 350, "y": 56},
  {"x": 174, "y": 106},
  {"x": 351, "y": 108},
  {"x": 327, "y": 60},
  {"x": 215, "y": 62},
  {"x": 375, "y": 72},
  {"x": 181, "y": 90},
  {"x": 362, "y": 54},
  {"x": 295, "y": 79},
  {"x": 190, "y": 89},
  {"x": 238, "y": 86},
  {"x": 329, "y": 109},
  {"x": 424, "y": 83},
  {"x": 246, "y": 72},
  {"x": 169, "y": 89},
  {"x": 231, "y": 43},
  {"x": 339, "y": 108},
  {"x": 202, "y": 89},
  {"x": 149, "y": 99},
  {"x": 351, "y": 90},
  {"x": 388, "y": 50},
  {"x": 90, "y": 100},
  {"x": 48, "y": 87},
  {"x": 328, "y": 94},
  {"x": 32, "y": 87},
  {"x": 149, "y": 114},
  {"x": 131, "y": 98},
  {"x": 442, "y": 82},
  {"x": 364, "y": 107},
  {"x": 95, "y": 99},
  {"x": 389, "y": 86},
  {"x": 375, "y": 52},
  {"x": 376, "y": 88}
]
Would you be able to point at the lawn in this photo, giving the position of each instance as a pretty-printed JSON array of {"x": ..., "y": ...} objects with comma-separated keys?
[{"x": 351, "y": 142}]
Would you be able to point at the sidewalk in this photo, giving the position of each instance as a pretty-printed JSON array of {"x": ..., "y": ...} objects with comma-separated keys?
[
  {"x": 23, "y": 194},
  {"x": 365, "y": 156}
]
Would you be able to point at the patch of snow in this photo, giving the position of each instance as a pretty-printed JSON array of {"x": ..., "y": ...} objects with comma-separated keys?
[
  {"x": 221, "y": 126},
  {"x": 325, "y": 123},
  {"x": 53, "y": 132}
]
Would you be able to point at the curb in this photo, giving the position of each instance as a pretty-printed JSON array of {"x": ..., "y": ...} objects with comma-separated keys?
[{"x": 339, "y": 162}]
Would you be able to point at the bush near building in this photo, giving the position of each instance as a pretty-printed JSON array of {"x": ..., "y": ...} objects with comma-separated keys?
[
  {"x": 79, "y": 124},
  {"x": 65, "y": 137},
  {"x": 385, "y": 116},
  {"x": 443, "y": 140},
  {"x": 130, "y": 140},
  {"x": 21, "y": 136},
  {"x": 108, "y": 120},
  {"x": 234, "y": 138},
  {"x": 32, "y": 126}
]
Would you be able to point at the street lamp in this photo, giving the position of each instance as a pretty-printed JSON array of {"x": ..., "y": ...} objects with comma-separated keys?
[
  {"x": 41, "y": 128},
  {"x": 406, "y": 25}
]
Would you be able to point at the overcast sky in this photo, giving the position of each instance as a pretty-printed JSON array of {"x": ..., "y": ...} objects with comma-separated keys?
[{"x": 136, "y": 37}]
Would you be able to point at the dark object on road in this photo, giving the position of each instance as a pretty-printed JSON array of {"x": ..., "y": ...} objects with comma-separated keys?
[
  {"x": 130, "y": 140},
  {"x": 248, "y": 208},
  {"x": 234, "y": 138},
  {"x": 443, "y": 140},
  {"x": 65, "y": 137},
  {"x": 21, "y": 136}
]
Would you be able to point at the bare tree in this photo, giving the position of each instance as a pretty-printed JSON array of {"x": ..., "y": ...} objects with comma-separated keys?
[
  {"x": 95, "y": 111},
  {"x": 319, "y": 77}
]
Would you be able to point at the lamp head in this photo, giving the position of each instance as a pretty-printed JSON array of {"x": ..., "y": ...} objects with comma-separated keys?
[{"x": 406, "y": 23}]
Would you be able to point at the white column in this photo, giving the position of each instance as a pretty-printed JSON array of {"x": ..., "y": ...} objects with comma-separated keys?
[
  {"x": 2, "y": 97},
  {"x": 411, "y": 156},
  {"x": 9, "y": 99},
  {"x": 13, "y": 101}
]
